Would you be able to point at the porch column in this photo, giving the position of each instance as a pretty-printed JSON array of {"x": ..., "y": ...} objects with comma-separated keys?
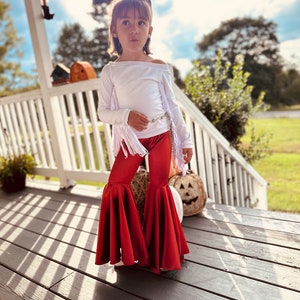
[{"x": 51, "y": 104}]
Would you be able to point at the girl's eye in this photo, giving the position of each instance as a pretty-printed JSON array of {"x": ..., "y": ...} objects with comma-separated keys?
[
  {"x": 125, "y": 22},
  {"x": 141, "y": 23}
]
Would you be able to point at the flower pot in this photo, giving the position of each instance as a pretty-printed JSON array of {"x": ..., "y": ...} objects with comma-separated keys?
[{"x": 14, "y": 183}]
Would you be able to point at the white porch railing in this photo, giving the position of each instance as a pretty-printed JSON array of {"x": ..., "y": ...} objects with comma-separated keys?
[
  {"x": 228, "y": 177},
  {"x": 62, "y": 131}
]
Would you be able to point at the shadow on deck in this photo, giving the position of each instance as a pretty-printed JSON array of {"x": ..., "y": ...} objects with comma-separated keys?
[{"x": 48, "y": 240}]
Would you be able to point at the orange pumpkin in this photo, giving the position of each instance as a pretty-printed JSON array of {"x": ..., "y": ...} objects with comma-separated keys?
[
  {"x": 82, "y": 70},
  {"x": 192, "y": 193}
]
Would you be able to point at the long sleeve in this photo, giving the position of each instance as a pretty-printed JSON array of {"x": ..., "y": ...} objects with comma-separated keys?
[
  {"x": 181, "y": 137},
  {"x": 147, "y": 88},
  {"x": 108, "y": 111},
  {"x": 184, "y": 139}
]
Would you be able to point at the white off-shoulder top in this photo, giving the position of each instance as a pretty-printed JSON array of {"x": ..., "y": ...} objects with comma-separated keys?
[{"x": 145, "y": 87}]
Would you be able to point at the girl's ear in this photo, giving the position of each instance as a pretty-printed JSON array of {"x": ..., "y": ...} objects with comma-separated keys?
[
  {"x": 150, "y": 30},
  {"x": 113, "y": 32}
]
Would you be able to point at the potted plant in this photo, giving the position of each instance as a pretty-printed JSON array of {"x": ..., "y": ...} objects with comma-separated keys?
[{"x": 13, "y": 171}]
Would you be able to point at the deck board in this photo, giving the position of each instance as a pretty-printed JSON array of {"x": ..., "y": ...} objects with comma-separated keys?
[
  {"x": 282, "y": 225},
  {"x": 262, "y": 251},
  {"x": 258, "y": 234},
  {"x": 48, "y": 240},
  {"x": 16, "y": 287}
]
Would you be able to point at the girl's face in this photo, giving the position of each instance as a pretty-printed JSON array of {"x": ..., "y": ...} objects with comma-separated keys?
[{"x": 132, "y": 31}]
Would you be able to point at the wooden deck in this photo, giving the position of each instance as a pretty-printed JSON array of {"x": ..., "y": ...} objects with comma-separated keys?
[{"x": 47, "y": 251}]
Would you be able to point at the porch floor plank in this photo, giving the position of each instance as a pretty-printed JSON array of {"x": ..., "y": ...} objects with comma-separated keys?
[
  {"x": 48, "y": 239},
  {"x": 16, "y": 287},
  {"x": 258, "y": 234}
]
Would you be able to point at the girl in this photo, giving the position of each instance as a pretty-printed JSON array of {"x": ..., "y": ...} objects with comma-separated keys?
[{"x": 136, "y": 97}]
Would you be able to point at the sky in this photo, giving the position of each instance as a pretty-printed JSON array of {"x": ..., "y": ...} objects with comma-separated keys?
[{"x": 178, "y": 25}]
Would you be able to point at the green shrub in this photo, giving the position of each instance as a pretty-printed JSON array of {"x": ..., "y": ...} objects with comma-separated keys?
[{"x": 225, "y": 99}]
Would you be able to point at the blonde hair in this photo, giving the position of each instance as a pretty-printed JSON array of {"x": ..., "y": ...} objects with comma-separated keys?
[{"x": 119, "y": 8}]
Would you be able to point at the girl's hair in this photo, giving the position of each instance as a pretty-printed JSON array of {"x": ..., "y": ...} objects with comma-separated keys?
[{"x": 119, "y": 8}]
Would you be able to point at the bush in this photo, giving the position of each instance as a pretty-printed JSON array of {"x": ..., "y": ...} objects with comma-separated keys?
[{"x": 225, "y": 99}]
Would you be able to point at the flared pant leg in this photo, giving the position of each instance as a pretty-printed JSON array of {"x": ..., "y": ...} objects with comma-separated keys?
[
  {"x": 120, "y": 233},
  {"x": 162, "y": 228},
  {"x": 160, "y": 243}
]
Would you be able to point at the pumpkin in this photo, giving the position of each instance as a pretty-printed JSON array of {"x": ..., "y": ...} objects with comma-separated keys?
[
  {"x": 178, "y": 203},
  {"x": 82, "y": 70},
  {"x": 191, "y": 190},
  {"x": 139, "y": 186}
]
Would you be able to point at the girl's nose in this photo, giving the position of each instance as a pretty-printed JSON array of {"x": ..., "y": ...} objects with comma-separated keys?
[{"x": 133, "y": 29}]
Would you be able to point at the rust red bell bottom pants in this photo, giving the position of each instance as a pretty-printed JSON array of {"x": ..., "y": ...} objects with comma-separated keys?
[{"x": 159, "y": 242}]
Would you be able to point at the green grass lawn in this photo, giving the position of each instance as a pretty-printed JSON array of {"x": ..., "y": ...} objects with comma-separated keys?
[{"x": 281, "y": 169}]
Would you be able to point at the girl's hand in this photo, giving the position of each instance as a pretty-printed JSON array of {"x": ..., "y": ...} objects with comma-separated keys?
[
  {"x": 187, "y": 154},
  {"x": 137, "y": 120}
]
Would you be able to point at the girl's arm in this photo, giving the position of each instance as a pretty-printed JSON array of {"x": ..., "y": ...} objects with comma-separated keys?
[
  {"x": 108, "y": 110},
  {"x": 181, "y": 130}
]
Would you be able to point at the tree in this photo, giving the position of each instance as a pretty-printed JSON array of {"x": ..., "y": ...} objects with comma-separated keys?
[
  {"x": 11, "y": 76},
  {"x": 75, "y": 45},
  {"x": 256, "y": 40},
  {"x": 292, "y": 91},
  {"x": 225, "y": 99},
  {"x": 100, "y": 35},
  {"x": 100, "y": 12}
]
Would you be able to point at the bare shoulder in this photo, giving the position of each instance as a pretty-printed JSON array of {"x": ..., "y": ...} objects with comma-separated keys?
[{"x": 158, "y": 61}]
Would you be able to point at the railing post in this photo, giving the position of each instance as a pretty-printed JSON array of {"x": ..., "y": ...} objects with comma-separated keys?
[{"x": 51, "y": 104}]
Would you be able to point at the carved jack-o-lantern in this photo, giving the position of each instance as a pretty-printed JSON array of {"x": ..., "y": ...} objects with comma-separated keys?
[{"x": 192, "y": 193}]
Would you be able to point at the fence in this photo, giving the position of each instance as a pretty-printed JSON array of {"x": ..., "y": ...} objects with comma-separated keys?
[{"x": 61, "y": 129}]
